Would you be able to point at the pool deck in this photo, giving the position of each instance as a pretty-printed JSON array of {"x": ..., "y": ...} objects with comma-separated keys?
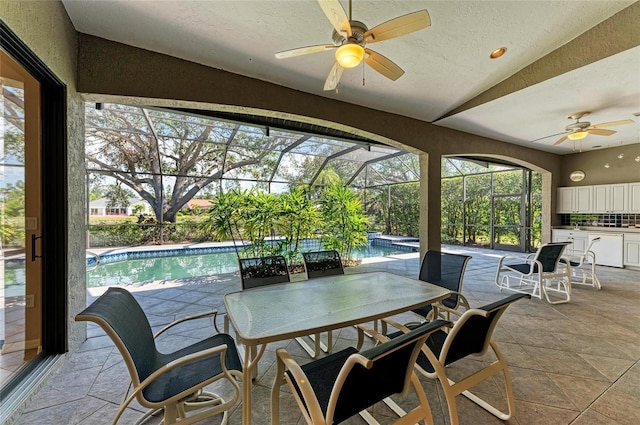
[{"x": 570, "y": 364}]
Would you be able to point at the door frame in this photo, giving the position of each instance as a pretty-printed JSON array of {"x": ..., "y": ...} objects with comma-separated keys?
[{"x": 53, "y": 145}]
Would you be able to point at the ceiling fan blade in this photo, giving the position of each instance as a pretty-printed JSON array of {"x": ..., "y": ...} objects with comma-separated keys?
[
  {"x": 601, "y": 131},
  {"x": 612, "y": 123},
  {"x": 337, "y": 16},
  {"x": 304, "y": 51},
  {"x": 383, "y": 65},
  {"x": 334, "y": 77},
  {"x": 562, "y": 139},
  {"x": 546, "y": 137},
  {"x": 399, "y": 26}
]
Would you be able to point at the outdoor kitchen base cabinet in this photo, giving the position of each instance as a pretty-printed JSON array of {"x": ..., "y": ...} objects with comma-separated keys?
[
  {"x": 609, "y": 250},
  {"x": 632, "y": 249}
]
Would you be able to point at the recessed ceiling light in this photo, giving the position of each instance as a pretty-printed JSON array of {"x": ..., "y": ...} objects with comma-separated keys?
[{"x": 498, "y": 52}]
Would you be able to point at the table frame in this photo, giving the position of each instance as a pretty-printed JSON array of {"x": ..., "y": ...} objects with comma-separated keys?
[{"x": 285, "y": 311}]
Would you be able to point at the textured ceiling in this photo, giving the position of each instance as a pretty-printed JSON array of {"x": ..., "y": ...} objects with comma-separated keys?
[{"x": 523, "y": 96}]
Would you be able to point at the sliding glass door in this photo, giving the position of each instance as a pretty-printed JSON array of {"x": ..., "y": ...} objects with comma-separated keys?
[{"x": 21, "y": 300}]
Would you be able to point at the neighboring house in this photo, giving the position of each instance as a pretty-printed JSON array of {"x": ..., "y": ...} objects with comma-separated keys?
[
  {"x": 203, "y": 204},
  {"x": 99, "y": 207}
]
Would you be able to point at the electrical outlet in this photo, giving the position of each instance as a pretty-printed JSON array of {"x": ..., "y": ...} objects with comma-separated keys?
[{"x": 30, "y": 301}]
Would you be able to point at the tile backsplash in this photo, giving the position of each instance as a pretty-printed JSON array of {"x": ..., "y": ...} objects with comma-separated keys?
[{"x": 601, "y": 220}]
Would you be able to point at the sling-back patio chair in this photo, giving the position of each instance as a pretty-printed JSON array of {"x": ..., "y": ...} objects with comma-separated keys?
[
  {"x": 330, "y": 390},
  {"x": 269, "y": 270},
  {"x": 583, "y": 266},
  {"x": 261, "y": 271},
  {"x": 471, "y": 335},
  {"x": 320, "y": 264},
  {"x": 172, "y": 382},
  {"x": 445, "y": 270},
  {"x": 539, "y": 274}
]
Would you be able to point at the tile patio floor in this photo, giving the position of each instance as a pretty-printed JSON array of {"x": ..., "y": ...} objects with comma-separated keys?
[{"x": 575, "y": 363}]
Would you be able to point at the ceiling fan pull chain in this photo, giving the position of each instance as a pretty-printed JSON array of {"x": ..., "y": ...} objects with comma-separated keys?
[{"x": 363, "y": 73}]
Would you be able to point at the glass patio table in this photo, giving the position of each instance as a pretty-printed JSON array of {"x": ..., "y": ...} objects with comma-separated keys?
[{"x": 288, "y": 310}]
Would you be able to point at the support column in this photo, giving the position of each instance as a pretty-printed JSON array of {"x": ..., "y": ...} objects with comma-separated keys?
[
  {"x": 430, "y": 202},
  {"x": 548, "y": 205}
]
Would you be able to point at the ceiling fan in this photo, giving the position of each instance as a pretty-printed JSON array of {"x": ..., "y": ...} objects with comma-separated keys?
[
  {"x": 350, "y": 39},
  {"x": 581, "y": 129}
]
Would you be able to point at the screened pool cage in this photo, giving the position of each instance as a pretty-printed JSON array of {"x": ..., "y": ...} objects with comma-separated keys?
[{"x": 154, "y": 171}]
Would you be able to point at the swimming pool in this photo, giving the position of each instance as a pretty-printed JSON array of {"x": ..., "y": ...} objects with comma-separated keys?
[{"x": 141, "y": 270}]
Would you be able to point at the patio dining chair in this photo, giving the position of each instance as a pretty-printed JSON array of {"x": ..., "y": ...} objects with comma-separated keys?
[
  {"x": 173, "y": 382},
  {"x": 330, "y": 390},
  {"x": 269, "y": 270},
  {"x": 261, "y": 271},
  {"x": 539, "y": 274},
  {"x": 471, "y": 335},
  {"x": 445, "y": 270},
  {"x": 320, "y": 264},
  {"x": 583, "y": 266}
]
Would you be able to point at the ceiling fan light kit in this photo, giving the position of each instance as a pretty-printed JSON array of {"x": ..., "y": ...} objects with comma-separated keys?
[
  {"x": 350, "y": 55},
  {"x": 350, "y": 38},
  {"x": 577, "y": 135}
]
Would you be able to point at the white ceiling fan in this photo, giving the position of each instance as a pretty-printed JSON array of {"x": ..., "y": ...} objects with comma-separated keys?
[
  {"x": 350, "y": 39},
  {"x": 581, "y": 129}
]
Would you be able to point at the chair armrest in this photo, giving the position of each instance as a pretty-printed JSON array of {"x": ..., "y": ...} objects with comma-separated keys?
[
  {"x": 284, "y": 361},
  {"x": 188, "y": 318},
  {"x": 528, "y": 259},
  {"x": 220, "y": 349},
  {"x": 372, "y": 332}
]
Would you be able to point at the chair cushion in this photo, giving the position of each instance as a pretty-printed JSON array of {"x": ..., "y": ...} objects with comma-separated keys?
[{"x": 191, "y": 374}]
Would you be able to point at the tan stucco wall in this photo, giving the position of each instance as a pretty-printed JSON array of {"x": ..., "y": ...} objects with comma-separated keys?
[
  {"x": 45, "y": 27},
  {"x": 621, "y": 170},
  {"x": 142, "y": 74}
]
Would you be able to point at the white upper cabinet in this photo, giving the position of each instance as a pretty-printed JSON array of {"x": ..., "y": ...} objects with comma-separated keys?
[
  {"x": 610, "y": 198},
  {"x": 575, "y": 199},
  {"x": 565, "y": 200},
  {"x": 599, "y": 199},
  {"x": 583, "y": 199},
  {"x": 634, "y": 198}
]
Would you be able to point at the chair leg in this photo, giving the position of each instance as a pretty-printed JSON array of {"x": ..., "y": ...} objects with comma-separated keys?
[
  {"x": 452, "y": 389},
  {"x": 508, "y": 389},
  {"x": 170, "y": 414}
]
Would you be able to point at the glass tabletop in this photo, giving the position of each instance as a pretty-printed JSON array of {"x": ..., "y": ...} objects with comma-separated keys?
[{"x": 284, "y": 311}]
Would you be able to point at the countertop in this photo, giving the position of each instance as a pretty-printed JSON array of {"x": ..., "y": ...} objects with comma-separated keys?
[{"x": 602, "y": 229}]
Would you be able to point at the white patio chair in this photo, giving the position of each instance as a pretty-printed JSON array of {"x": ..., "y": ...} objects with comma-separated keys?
[
  {"x": 539, "y": 274},
  {"x": 583, "y": 266}
]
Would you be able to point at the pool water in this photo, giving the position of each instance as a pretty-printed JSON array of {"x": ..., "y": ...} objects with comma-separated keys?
[{"x": 185, "y": 266}]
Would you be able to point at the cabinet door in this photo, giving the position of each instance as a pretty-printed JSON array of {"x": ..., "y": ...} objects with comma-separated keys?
[
  {"x": 631, "y": 253},
  {"x": 634, "y": 198},
  {"x": 618, "y": 197},
  {"x": 583, "y": 200},
  {"x": 601, "y": 199},
  {"x": 565, "y": 200},
  {"x": 579, "y": 245}
]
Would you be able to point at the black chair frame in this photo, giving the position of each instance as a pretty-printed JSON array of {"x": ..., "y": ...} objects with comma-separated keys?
[{"x": 173, "y": 382}]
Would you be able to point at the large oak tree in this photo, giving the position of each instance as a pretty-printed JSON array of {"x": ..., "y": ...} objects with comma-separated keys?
[{"x": 167, "y": 158}]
